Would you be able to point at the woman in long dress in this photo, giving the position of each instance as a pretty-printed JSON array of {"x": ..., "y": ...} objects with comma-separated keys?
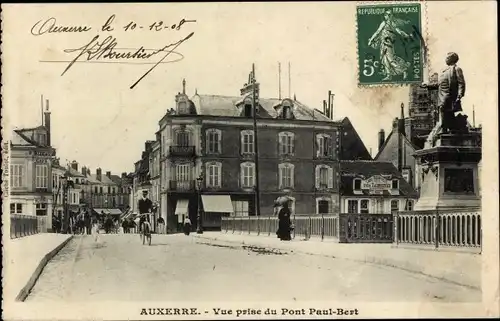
[
  {"x": 187, "y": 225},
  {"x": 284, "y": 223},
  {"x": 384, "y": 38}
]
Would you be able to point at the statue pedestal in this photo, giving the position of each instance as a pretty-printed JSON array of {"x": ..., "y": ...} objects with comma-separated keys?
[{"x": 449, "y": 172}]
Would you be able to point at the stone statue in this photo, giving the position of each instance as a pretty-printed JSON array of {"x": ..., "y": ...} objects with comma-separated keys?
[{"x": 451, "y": 89}]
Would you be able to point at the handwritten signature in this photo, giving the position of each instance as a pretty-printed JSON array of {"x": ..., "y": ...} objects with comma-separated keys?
[{"x": 106, "y": 49}]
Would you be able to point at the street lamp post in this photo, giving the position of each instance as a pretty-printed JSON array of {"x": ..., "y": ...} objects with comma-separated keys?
[
  {"x": 65, "y": 184},
  {"x": 199, "y": 228}
]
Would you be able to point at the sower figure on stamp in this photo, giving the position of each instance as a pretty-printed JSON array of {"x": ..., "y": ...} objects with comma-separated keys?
[
  {"x": 451, "y": 89},
  {"x": 384, "y": 38}
]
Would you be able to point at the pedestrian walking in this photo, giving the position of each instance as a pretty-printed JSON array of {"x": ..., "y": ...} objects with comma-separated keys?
[
  {"x": 88, "y": 223},
  {"x": 284, "y": 223},
  {"x": 161, "y": 225},
  {"x": 187, "y": 225},
  {"x": 95, "y": 229},
  {"x": 125, "y": 226}
]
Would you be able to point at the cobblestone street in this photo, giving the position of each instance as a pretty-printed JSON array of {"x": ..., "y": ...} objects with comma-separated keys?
[{"x": 181, "y": 268}]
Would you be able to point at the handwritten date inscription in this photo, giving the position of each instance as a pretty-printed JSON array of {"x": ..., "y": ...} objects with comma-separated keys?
[{"x": 105, "y": 49}]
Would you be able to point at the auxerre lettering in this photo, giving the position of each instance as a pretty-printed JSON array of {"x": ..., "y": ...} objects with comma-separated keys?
[
  {"x": 170, "y": 311},
  {"x": 381, "y": 11}
]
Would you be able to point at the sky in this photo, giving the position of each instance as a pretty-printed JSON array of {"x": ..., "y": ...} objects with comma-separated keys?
[{"x": 100, "y": 122}]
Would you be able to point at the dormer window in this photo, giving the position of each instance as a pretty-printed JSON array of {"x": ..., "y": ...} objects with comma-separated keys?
[
  {"x": 42, "y": 138},
  {"x": 182, "y": 107},
  {"x": 286, "y": 109},
  {"x": 395, "y": 184},
  {"x": 248, "y": 110},
  {"x": 247, "y": 107},
  {"x": 357, "y": 184}
]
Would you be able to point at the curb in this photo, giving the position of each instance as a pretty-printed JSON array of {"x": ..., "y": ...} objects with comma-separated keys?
[
  {"x": 370, "y": 260},
  {"x": 23, "y": 294}
]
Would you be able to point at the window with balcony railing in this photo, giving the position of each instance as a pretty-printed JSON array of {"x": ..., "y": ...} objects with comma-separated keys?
[{"x": 182, "y": 138}]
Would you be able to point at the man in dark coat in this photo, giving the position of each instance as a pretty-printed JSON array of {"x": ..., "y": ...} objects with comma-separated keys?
[
  {"x": 88, "y": 222},
  {"x": 145, "y": 207}
]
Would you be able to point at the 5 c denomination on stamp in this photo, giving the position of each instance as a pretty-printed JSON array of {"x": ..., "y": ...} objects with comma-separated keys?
[{"x": 390, "y": 44}]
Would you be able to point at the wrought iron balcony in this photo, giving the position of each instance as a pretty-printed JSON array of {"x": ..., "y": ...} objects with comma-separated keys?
[
  {"x": 182, "y": 151},
  {"x": 182, "y": 186}
]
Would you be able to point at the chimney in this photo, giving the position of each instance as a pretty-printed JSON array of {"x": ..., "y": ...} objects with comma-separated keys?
[
  {"x": 401, "y": 121},
  {"x": 98, "y": 174},
  {"x": 108, "y": 174},
  {"x": 84, "y": 171},
  {"x": 47, "y": 121},
  {"x": 381, "y": 139},
  {"x": 88, "y": 171},
  {"x": 74, "y": 165},
  {"x": 124, "y": 175}
]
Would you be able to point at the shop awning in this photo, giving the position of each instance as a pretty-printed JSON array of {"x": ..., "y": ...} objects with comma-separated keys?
[
  {"x": 217, "y": 203},
  {"x": 115, "y": 211},
  {"x": 112, "y": 211},
  {"x": 182, "y": 207},
  {"x": 74, "y": 208}
]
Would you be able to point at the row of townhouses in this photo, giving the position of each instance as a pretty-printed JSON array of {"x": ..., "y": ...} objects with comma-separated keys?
[
  {"x": 38, "y": 180},
  {"x": 204, "y": 157}
]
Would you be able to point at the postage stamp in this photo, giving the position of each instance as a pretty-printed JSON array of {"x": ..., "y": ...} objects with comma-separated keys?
[{"x": 390, "y": 44}]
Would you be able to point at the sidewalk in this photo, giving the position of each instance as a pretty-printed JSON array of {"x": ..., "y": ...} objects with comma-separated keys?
[
  {"x": 459, "y": 268},
  {"x": 24, "y": 259}
]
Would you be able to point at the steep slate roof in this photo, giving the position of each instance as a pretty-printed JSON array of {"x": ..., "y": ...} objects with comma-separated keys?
[
  {"x": 104, "y": 180},
  {"x": 405, "y": 138},
  {"x": 19, "y": 139},
  {"x": 218, "y": 105},
  {"x": 117, "y": 179},
  {"x": 74, "y": 173},
  {"x": 365, "y": 169},
  {"x": 352, "y": 147},
  {"x": 57, "y": 166}
]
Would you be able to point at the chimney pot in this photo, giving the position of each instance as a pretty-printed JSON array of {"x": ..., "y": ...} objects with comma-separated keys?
[
  {"x": 381, "y": 139},
  {"x": 47, "y": 122}
]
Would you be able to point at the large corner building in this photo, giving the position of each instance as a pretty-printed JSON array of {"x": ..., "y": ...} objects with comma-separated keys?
[{"x": 208, "y": 140}]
